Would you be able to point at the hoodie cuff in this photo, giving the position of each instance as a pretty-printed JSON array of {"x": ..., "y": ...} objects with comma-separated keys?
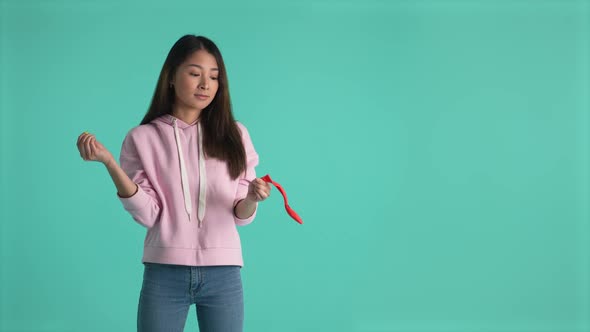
[{"x": 136, "y": 202}]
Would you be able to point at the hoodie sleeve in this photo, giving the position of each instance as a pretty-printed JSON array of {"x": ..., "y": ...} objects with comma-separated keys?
[
  {"x": 144, "y": 205},
  {"x": 249, "y": 174}
]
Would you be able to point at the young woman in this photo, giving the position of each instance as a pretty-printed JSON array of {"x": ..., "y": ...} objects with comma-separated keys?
[{"x": 188, "y": 176}]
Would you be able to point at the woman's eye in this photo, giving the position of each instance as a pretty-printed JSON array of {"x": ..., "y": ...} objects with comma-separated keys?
[{"x": 192, "y": 74}]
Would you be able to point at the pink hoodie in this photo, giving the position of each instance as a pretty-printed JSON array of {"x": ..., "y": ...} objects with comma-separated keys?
[{"x": 184, "y": 200}]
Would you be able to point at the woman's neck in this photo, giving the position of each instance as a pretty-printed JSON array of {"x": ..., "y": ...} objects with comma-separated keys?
[{"x": 188, "y": 115}]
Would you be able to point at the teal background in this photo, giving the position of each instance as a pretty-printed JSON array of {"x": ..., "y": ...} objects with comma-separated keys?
[{"x": 437, "y": 152}]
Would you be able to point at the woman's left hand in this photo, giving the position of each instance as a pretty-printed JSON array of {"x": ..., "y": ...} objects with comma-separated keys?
[{"x": 258, "y": 190}]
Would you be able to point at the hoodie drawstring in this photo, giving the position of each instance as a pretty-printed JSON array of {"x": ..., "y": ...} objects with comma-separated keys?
[
  {"x": 184, "y": 178},
  {"x": 202, "y": 176}
]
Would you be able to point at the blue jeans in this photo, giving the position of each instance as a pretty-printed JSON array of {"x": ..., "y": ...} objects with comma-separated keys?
[{"x": 168, "y": 291}]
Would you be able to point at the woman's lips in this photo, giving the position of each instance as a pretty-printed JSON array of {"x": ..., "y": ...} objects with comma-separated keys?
[{"x": 202, "y": 97}]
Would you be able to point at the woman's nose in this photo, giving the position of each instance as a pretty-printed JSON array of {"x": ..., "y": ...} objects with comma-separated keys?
[{"x": 204, "y": 83}]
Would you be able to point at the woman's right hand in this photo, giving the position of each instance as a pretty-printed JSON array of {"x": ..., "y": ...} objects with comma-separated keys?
[{"x": 92, "y": 150}]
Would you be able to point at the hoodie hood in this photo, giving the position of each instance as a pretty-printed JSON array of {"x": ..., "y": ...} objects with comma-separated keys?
[{"x": 177, "y": 125}]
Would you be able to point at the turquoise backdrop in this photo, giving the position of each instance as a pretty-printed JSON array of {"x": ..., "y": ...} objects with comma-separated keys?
[{"x": 437, "y": 151}]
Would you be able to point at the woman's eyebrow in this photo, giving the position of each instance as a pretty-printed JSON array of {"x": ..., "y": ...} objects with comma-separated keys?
[{"x": 195, "y": 65}]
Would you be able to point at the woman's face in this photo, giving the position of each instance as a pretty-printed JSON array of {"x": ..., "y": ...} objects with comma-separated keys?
[{"x": 196, "y": 77}]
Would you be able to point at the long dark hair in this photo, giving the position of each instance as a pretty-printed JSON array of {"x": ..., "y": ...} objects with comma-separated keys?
[{"x": 221, "y": 135}]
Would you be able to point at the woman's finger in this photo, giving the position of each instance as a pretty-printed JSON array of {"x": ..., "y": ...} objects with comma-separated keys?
[
  {"x": 79, "y": 140},
  {"x": 268, "y": 189},
  {"x": 84, "y": 134},
  {"x": 95, "y": 145},
  {"x": 264, "y": 190},
  {"x": 92, "y": 148},
  {"x": 87, "y": 145},
  {"x": 82, "y": 148},
  {"x": 260, "y": 189},
  {"x": 262, "y": 194}
]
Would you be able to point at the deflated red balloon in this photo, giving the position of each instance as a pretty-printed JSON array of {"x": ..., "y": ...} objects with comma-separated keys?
[{"x": 290, "y": 211}]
